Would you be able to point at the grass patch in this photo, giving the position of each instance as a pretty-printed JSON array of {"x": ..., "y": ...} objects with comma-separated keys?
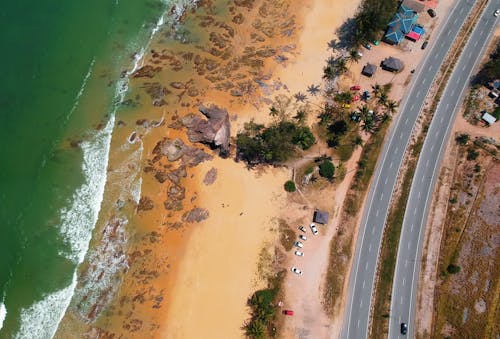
[{"x": 287, "y": 235}]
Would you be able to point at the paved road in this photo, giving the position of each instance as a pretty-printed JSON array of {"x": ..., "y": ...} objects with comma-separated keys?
[
  {"x": 404, "y": 292},
  {"x": 361, "y": 282}
]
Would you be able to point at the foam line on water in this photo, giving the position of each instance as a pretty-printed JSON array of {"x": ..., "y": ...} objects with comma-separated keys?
[
  {"x": 41, "y": 319},
  {"x": 3, "y": 313},
  {"x": 82, "y": 89},
  {"x": 78, "y": 221}
]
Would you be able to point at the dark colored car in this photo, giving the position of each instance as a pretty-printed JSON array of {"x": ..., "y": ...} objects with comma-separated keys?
[
  {"x": 425, "y": 44},
  {"x": 431, "y": 12},
  {"x": 404, "y": 328}
]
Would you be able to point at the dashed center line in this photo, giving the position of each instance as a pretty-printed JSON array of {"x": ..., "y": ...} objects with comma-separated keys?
[{"x": 376, "y": 213}]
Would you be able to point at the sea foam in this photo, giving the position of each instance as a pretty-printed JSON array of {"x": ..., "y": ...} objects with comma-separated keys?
[
  {"x": 3, "y": 314},
  {"x": 42, "y": 318}
]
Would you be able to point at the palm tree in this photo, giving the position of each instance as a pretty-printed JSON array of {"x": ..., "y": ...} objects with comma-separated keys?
[
  {"x": 364, "y": 111},
  {"x": 329, "y": 73},
  {"x": 382, "y": 98},
  {"x": 358, "y": 141},
  {"x": 301, "y": 116},
  {"x": 391, "y": 106},
  {"x": 333, "y": 44},
  {"x": 377, "y": 89},
  {"x": 367, "y": 125},
  {"x": 300, "y": 96},
  {"x": 341, "y": 65},
  {"x": 273, "y": 111},
  {"x": 353, "y": 56}
]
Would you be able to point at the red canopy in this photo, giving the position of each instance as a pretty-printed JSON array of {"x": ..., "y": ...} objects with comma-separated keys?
[{"x": 413, "y": 36}]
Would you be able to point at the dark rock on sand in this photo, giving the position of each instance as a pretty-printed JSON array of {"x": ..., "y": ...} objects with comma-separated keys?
[
  {"x": 215, "y": 130},
  {"x": 193, "y": 156},
  {"x": 145, "y": 204},
  {"x": 173, "y": 205},
  {"x": 210, "y": 177},
  {"x": 147, "y": 71},
  {"x": 176, "y": 192},
  {"x": 172, "y": 149},
  {"x": 195, "y": 215}
]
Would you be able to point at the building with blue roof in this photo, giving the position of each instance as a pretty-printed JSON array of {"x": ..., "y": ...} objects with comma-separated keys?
[{"x": 401, "y": 24}]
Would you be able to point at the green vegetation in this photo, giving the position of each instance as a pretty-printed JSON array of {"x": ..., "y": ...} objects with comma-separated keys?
[
  {"x": 372, "y": 18},
  {"x": 452, "y": 269},
  {"x": 472, "y": 153},
  {"x": 290, "y": 186},
  {"x": 274, "y": 144},
  {"x": 327, "y": 169},
  {"x": 491, "y": 69},
  {"x": 462, "y": 139},
  {"x": 262, "y": 323}
]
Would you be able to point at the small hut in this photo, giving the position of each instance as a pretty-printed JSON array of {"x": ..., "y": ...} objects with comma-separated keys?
[
  {"x": 392, "y": 64},
  {"x": 320, "y": 217},
  {"x": 369, "y": 70}
]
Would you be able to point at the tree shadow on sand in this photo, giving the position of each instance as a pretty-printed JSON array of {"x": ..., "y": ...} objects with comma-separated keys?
[{"x": 346, "y": 34}]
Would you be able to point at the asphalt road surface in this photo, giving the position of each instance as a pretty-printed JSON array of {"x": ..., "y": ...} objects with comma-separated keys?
[
  {"x": 362, "y": 277},
  {"x": 404, "y": 292}
]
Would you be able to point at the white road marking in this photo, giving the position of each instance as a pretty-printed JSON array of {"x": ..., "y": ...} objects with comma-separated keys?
[
  {"x": 452, "y": 92},
  {"x": 366, "y": 265},
  {"x": 401, "y": 300},
  {"x": 432, "y": 147},
  {"x": 415, "y": 211},
  {"x": 390, "y": 165},
  {"x": 401, "y": 136},
  {"x": 409, "y": 245},
  {"x": 385, "y": 182},
  {"x": 427, "y": 163},
  {"x": 462, "y": 10},
  {"x": 411, "y": 108},
  {"x": 396, "y": 150},
  {"x": 406, "y": 263},
  {"x": 373, "y": 230},
  {"x": 406, "y": 121},
  {"x": 404, "y": 279},
  {"x": 381, "y": 196},
  {"x": 370, "y": 248},
  {"x": 449, "y": 31},
  {"x": 358, "y": 323},
  {"x": 364, "y": 284},
  {"x": 418, "y": 93},
  {"x": 419, "y": 194},
  {"x": 463, "y": 68},
  {"x": 422, "y": 180},
  {"x": 475, "y": 44},
  {"x": 411, "y": 228},
  {"x": 442, "y": 119},
  {"x": 376, "y": 213},
  {"x": 447, "y": 105},
  {"x": 361, "y": 304}
]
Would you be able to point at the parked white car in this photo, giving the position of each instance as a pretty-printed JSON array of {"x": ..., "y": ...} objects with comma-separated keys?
[
  {"x": 302, "y": 237},
  {"x": 298, "y": 244},
  {"x": 496, "y": 12},
  {"x": 313, "y": 228},
  {"x": 299, "y": 253},
  {"x": 296, "y": 271}
]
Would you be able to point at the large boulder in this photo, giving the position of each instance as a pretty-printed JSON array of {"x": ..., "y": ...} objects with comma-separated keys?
[{"x": 214, "y": 130}]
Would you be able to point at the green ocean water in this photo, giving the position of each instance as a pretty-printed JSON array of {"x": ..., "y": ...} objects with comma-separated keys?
[{"x": 60, "y": 73}]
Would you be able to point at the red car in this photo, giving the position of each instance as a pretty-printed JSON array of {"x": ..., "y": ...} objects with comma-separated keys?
[
  {"x": 288, "y": 312},
  {"x": 355, "y": 98},
  {"x": 355, "y": 88}
]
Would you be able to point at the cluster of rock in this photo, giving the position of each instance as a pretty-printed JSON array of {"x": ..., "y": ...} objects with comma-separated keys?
[{"x": 215, "y": 130}]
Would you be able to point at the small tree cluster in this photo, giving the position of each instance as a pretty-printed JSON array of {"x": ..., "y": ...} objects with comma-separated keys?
[
  {"x": 290, "y": 186},
  {"x": 274, "y": 144},
  {"x": 327, "y": 169}
]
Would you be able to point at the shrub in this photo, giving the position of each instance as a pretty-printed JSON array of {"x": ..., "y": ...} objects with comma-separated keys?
[
  {"x": 453, "y": 269},
  {"x": 290, "y": 186},
  {"x": 472, "y": 154},
  {"x": 309, "y": 170},
  {"x": 327, "y": 169},
  {"x": 462, "y": 139}
]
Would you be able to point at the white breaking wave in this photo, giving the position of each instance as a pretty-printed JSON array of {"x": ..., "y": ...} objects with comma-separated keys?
[
  {"x": 3, "y": 314},
  {"x": 78, "y": 221},
  {"x": 41, "y": 319}
]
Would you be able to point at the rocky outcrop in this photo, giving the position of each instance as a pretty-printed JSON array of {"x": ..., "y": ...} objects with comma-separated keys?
[
  {"x": 195, "y": 215},
  {"x": 177, "y": 149},
  {"x": 210, "y": 177},
  {"x": 214, "y": 131}
]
